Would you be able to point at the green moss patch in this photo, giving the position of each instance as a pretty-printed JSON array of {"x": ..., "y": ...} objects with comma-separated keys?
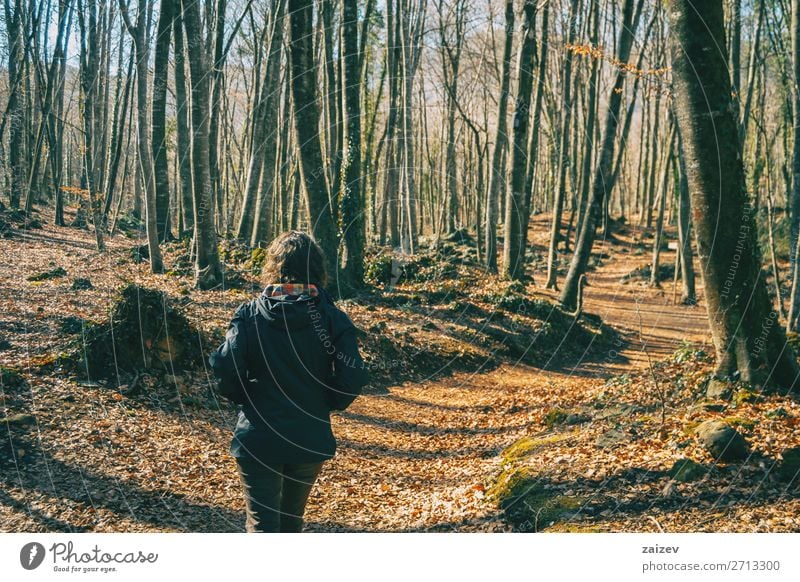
[
  {"x": 529, "y": 503},
  {"x": 686, "y": 471},
  {"x": 526, "y": 446}
]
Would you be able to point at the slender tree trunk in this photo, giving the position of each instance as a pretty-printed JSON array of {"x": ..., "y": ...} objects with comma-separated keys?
[
  {"x": 514, "y": 247},
  {"x": 141, "y": 45},
  {"x": 563, "y": 147},
  {"x": 662, "y": 192},
  {"x": 689, "y": 296},
  {"x": 183, "y": 151},
  {"x": 498, "y": 177},
  {"x": 583, "y": 247},
  {"x": 264, "y": 200}
]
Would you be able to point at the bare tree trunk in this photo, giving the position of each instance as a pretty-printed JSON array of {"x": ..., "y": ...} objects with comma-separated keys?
[
  {"x": 183, "y": 151},
  {"x": 16, "y": 101},
  {"x": 159, "y": 118},
  {"x": 563, "y": 146},
  {"x": 583, "y": 247},
  {"x": 307, "y": 116},
  {"x": 689, "y": 296},
  {"x": 351, "y": 197},
  {"x": 794, "y": 307},
  {"x": 498, "y": 177},
  {"x": 514, "y": 247},
  {"x": 662, "y": 192},
  {"x": 747, "y": 336},
  {"x": 262, "y": 224},
  {"x": 208, "y": 270},
  {"x": 90, "y": 56},
  {"x": 141, "y": 44}
]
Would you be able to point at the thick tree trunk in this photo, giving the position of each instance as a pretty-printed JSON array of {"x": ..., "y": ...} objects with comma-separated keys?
[
  {"x": 90, "y": 57},
  {"x": 306, "y": 118},
  {"x": 794, "y": 307},
  {"x": 514, "y": 246},
  {"x": 159, "y": 118},
  {"x": 208, "y": 270},
  {"x": 351, "y": 197},
  {"x": 16, "y": 101},
  {"x": 747, "y": 336}
]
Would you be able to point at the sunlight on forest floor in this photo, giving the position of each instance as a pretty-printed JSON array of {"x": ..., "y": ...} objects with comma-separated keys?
[{"x": 429, "y": 453}]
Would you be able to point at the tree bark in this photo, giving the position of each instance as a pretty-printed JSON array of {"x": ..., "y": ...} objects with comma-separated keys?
[
  {"x": 351, "y": 198},
  {"x": 208, "y": 270},
  {"x": 563, "y": 146},
  {"x": 602, "y": 176},
  {"x": 794, "y": 307},
  {"x": 16, "y": 102},
  {"x": 749, "y": 341},
  {"x": 514, "y": 246},
  {"x": 159, "y": 118},
  {"x": 689, "y": 296},
  {"x": 306, "y": 117},
  {"x": 266, "y": 191},
  {"x": 183, "y": 150},
  {"x": 498, "y": 176}
]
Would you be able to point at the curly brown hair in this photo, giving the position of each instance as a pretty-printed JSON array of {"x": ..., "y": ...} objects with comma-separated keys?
[{"x": 294, "y": 257}]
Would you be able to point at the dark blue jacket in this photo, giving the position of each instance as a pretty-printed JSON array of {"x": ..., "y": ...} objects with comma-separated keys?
[{"x": 288, "y": 361}]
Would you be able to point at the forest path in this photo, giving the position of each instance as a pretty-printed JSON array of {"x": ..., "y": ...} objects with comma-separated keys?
[{"x": 420, "y": 457}]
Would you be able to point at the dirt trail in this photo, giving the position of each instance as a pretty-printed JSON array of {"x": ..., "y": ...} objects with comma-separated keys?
[{"x": 419, "y": 458}]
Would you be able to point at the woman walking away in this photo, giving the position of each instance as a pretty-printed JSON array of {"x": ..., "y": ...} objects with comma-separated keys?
[{"x": 289, "y": 358}]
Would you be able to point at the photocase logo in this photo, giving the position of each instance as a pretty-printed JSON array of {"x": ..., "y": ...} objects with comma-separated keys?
[{"x": 31, "y": 555}]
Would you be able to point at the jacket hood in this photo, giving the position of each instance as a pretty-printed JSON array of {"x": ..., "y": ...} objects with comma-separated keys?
[{"x": 289, "y": 311}]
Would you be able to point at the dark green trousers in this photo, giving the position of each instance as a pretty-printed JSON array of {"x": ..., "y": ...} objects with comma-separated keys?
[{"x": 276, "y": 494}]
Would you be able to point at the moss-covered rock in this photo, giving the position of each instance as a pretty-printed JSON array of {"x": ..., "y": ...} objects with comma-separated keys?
[
  {"x": 718, "y": 389},
  {"x": 723, "y": 441},
  {"x": 746, "y": 394},
  {"x": 740, "y": 422},
  {"x": 82, "y": 284},
  {"x": 555, "y": 416},
  {"x": 529, "y": 503},
  {"x": 687, "y": 470}
]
